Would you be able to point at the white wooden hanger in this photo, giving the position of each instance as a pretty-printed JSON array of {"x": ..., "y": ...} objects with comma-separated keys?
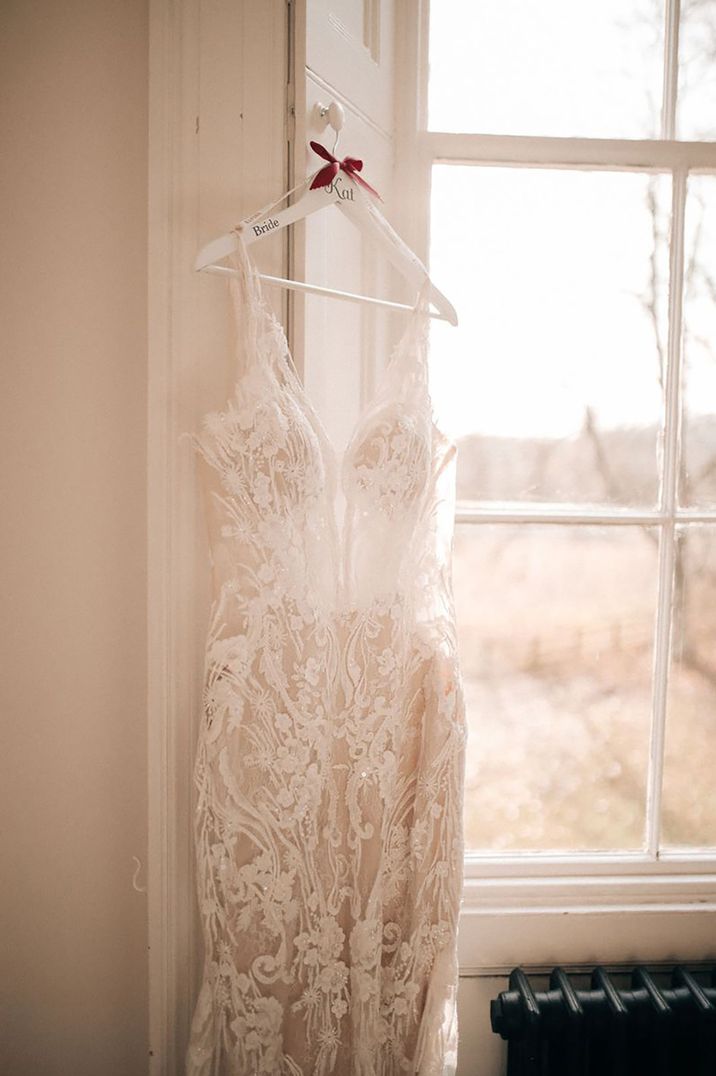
[{"x": 349, "y": 196}]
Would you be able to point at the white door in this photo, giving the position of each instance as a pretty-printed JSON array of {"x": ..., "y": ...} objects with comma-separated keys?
[{"x": 344, "y": 52}]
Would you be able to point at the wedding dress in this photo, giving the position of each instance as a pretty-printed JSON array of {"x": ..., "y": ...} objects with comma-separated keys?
[{"x": 329, "y": 764}]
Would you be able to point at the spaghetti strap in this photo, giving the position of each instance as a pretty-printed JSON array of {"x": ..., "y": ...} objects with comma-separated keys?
[
  {"x": 246, "y": 307},
  {"x": 251, "y": 315}
]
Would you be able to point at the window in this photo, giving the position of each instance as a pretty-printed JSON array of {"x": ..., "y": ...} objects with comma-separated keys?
[{"x": 569, "y": 161}]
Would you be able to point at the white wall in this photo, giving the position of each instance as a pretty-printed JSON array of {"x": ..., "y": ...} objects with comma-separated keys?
[{"x": 72, "y": 461}]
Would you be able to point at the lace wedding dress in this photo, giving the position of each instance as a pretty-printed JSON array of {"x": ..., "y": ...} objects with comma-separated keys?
[{"x": 329, "y": 763}]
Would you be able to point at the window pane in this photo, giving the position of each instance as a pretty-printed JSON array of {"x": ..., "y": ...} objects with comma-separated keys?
[
  {"x": 698, "y": 473},
  {"x": 558, "y": 67},
  {"x": 556, "y": 637},
  {"x": 689, "y": 804},
  {"x": 552, "y": 381},
  {"x": 696, "y": 113}
]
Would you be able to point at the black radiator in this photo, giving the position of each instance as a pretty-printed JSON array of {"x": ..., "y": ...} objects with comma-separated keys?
[{"x": 646, "y": 1030}]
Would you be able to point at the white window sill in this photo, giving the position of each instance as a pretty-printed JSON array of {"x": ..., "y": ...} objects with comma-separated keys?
[{"x": 607, "y": 909}]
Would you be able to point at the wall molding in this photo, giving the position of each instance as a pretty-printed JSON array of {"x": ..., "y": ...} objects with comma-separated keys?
[
  {"x": 216, "y": 88},
  {"x": 173, "y": 169}
]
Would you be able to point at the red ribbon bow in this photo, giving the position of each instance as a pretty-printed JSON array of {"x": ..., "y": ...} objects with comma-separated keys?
[{"x": 350, "y": 165}]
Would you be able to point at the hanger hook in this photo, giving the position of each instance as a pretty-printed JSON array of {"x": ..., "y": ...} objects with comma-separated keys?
[{"x": 336, "y": 119}]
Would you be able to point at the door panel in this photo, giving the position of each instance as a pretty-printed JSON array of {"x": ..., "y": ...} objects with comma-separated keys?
[{"x": 349, "y": 46}]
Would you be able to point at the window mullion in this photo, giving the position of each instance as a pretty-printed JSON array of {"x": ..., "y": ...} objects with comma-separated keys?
[
  {"x": 667, "y": 551},
  {"x": 556, "y": 513},
  {"x": 488, "y": 512},
  {"x": 537, "y": 151},
  {"x": 671, "y": 69}
]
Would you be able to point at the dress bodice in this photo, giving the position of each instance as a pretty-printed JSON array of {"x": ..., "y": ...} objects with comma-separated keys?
[{"x": 274, "y": 464}]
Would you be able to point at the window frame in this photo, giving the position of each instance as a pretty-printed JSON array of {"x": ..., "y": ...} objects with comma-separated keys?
[{"x": 618, "y": 898}]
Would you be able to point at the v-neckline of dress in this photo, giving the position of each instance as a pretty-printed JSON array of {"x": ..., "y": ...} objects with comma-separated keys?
[{"x": 417, "y": 320}]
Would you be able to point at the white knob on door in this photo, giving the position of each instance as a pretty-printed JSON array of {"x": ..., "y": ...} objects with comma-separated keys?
[{"x": 333, "y": 115}]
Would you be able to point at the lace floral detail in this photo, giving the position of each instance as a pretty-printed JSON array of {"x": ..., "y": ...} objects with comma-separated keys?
[
  {"x": 329, "y": 759},
  {"x": 390, "y": 466}
]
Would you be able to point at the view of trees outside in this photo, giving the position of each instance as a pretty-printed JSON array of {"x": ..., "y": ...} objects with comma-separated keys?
[
  {"x": 696, "y": 112},
  {"x": 556, "y": 636},
  {"x": 553, "y": 387},
  {"x": 689, "y": 806}
]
